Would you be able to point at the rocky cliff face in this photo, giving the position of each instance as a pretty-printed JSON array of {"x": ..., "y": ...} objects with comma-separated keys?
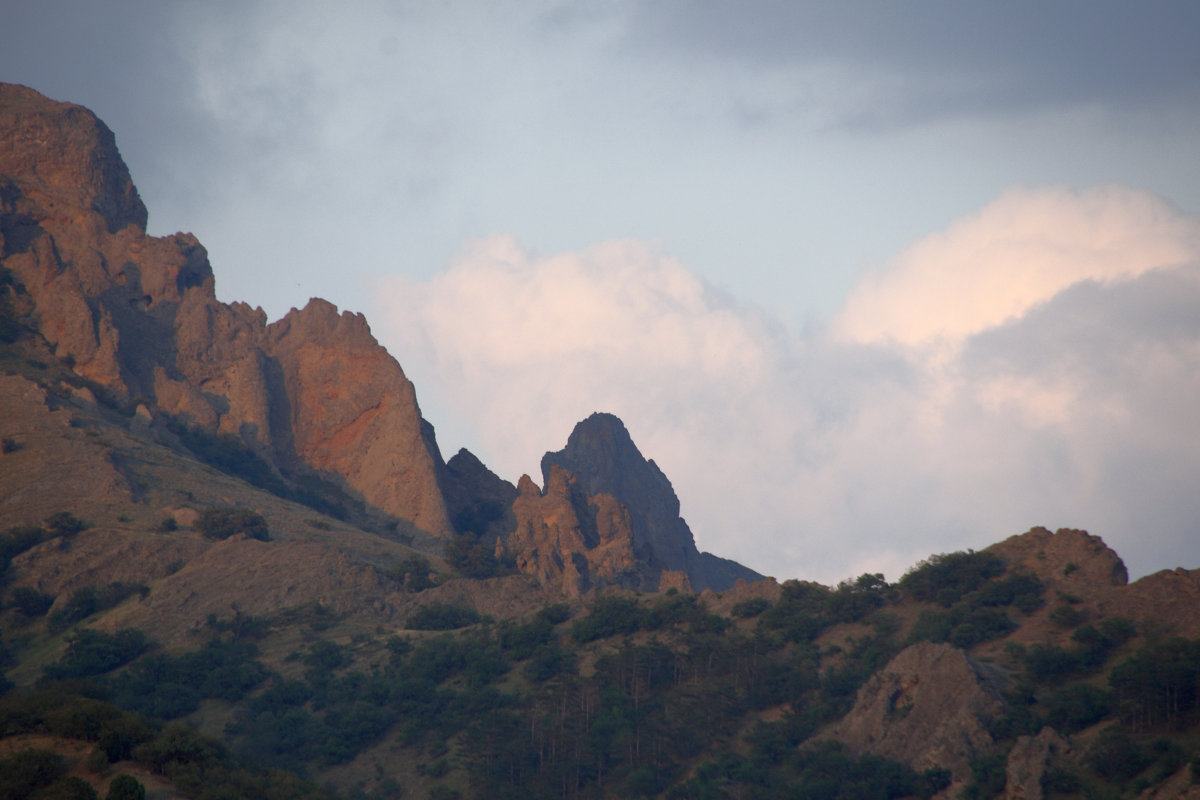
[
  {"x": 575, "y": 541},
  {"x": 603, "y": 458},
  {"x": 479, "y": 500},
  {"x": 925, "y": 708},
  {"x": 313, "y": 393}
]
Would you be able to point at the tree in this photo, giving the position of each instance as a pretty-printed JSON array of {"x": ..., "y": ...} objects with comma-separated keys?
[
  {"x": 471, "y": 556},
  {"x": 412, "y": 572},
  {"x": 65, "y": 524},
  {"x": 31, "y": 602},
  {"x": 125, "y": 787},
  {"x": 223, "y": 522}
]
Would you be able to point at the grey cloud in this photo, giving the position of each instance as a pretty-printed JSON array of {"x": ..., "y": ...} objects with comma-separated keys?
[
  {"x": 1124, "y": 461},
  {"x": 1093, "y": 323},
  {"x": 949, "y": 57}
]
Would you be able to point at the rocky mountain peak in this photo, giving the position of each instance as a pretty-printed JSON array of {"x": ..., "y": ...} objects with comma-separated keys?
[
  {"x": 320, "y": 320},
  {"x": 601, "y": 455},
  {"x": 314, "y": 395},
  {"x": 65, "y": 158}
]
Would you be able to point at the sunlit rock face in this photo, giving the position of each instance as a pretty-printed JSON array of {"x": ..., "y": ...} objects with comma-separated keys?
[
  {"x": 573, "y": 541},
  {"x": 138, "y": 316}
]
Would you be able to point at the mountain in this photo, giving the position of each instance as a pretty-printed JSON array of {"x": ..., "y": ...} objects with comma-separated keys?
[
  {"x": 603, "y": 458},
  {"x": 326, "y": 411},
  {"x": 233, "y": 563},
  {"x": 313, "y": 395}
]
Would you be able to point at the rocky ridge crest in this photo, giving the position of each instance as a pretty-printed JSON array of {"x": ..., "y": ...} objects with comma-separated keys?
[
  {"x": 313, "y": 393},
  {"x": 601, "y": 456}
]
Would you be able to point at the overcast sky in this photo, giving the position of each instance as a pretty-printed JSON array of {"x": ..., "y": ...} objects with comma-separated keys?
[{"x": 868, "y": 280}]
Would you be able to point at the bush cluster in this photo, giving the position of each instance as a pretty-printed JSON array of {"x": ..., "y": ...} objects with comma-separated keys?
[{"x": 226, "y": 521}]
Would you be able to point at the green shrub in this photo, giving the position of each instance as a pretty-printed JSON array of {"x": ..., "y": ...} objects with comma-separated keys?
[
  {"x": 25, "y": 771},
  {"x": 750, "y": 608},
  {"x": 1075, "y": 707},
  {"x": 92, "y": 652},
  {"x": 946, "y": 578},
  {"x": 608, "y": 617},
  {"x": 223, "y": 522},
  {"x": 71, "y": 787},
  {"x": 30, "y": 602},
  {"x": 442, "y": 617},
  {"x": 988, "y": 777},
  {"x": 20, "y": 539},
  {"x": 1117, "y": 756},
  {"x": 1067, "y": 616},
  {"x": 549, "y": 661},
  {"x": 471, "y": 556},
  {"x": 803, "y": 611},
  {"x": 853, "y": 600},
  {"x": 412, "y": 572},
  {"x": 89, "y": 600},
  {"x": 1159, "y": 685},
  {"x": 125, "y": 787},
  {"x": 66, "y": 524},
  {"x": 1024, "y": 591},
  {"x": 961, "y": 626}
]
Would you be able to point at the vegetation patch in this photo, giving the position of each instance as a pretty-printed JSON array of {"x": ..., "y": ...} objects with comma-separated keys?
[{"x": 226, "y": 521}]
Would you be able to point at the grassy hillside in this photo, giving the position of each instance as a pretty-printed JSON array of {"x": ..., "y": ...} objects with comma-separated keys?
[{"x": 208, "y": 631}]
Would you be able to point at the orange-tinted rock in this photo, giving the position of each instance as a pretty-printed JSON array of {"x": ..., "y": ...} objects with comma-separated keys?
[
  {"x": 572, "y": 541},
  {"x": 66, "y": 158},
  {"x": 354, "y": 413},
  {"x": 1069, "y": 558},
  {"x": 138, "y": 315},
  {"x": 601, "y": 454}
]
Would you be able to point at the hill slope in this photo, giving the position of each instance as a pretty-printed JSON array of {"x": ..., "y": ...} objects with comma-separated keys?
[{"x": 231, "y": 549}]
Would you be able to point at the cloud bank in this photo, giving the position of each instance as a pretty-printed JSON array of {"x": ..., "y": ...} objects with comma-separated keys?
[{"x": 1035, "y": 364}]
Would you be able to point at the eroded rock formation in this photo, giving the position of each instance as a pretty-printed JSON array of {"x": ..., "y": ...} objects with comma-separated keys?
[
  {"x": 311, "y": 393},
  {"x": 603, "y": 458},
  {"x": 926, "y": 709},
  {"x": 574, "y": 541}
]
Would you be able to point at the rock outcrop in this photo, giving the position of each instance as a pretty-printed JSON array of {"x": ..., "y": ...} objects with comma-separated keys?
[
  {"x": 313, "y": 394},
  {"x": 1028, "y": 761},
  {"x": 1066, "y": 557},
  {"x": 925, "y": 709},
  {"x": 1078, "y": 565},
  {"x": 478, "y": 500},
  {"x": 601, "y": 455},
  {"x": 573, "y": 541}
]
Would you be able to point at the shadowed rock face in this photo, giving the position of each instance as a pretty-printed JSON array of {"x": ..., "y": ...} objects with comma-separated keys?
[
  {"x": 138, "y": 315},
  {"x": 479, "y": 501},
  {"x": 603, "y": 458}
]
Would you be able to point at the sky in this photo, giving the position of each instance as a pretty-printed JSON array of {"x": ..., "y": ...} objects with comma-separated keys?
[{"x": 869, "y": 281}]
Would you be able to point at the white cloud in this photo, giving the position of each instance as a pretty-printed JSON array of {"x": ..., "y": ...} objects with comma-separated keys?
[
  {"x": 1017, "y": 252},
  {"x": 1063, "y": 401}
]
